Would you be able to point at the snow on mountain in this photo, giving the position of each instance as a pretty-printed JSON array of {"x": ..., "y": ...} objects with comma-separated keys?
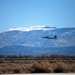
[
  {"x": 33, "y": 28},
  {"x": 32, "y": 36}
]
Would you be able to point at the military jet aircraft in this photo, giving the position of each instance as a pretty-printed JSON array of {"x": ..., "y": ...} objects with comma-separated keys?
[{"x": 55, "y": 37}]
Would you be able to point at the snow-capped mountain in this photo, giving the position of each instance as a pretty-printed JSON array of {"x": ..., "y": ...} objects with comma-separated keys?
[{"x": 32, "y": 37}]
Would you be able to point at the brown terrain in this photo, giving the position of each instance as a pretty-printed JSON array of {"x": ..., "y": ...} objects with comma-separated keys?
[{"x": 40, "y": 64}]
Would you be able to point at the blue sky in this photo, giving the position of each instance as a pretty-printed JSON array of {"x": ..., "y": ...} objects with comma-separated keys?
[{"x": 25, "y": 13}]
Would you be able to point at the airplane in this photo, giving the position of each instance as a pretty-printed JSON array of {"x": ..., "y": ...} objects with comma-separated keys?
[{"x": 55, "y": 37}]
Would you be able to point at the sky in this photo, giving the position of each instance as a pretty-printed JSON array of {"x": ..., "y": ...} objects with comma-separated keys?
[{"x": 26, "y": 13}]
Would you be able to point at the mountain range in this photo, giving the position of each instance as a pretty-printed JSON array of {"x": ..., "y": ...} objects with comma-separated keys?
[{"x": 31, "y": 37}]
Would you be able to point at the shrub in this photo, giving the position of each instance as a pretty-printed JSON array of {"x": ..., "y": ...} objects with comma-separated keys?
[
  {"x": 4, "y": 70},
  {"x": 72, "y": 68},
  {"x": 61, "y": 68},
  {"x": 19, "y": 69},
  {"x": 43, "y": 67}
]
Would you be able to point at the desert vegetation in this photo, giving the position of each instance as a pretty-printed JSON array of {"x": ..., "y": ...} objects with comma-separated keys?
[{"x": 39, "y": 64}]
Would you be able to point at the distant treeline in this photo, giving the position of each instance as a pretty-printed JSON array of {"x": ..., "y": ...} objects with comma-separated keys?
[{"x": 42, "y": 56}]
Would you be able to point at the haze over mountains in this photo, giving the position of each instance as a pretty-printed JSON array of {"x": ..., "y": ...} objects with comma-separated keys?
[{"x": 32, "y": 37}]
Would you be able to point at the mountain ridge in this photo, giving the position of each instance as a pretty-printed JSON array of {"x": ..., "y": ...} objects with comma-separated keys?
[{"x": 36, "y": 51}]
